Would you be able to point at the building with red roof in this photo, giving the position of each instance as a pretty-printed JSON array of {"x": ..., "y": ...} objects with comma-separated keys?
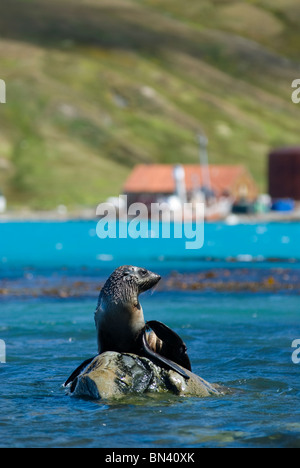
[{"x": 149, "y": 182}]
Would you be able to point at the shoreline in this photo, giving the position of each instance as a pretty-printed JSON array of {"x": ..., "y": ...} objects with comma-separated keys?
[{"x": 89, "y": 214}]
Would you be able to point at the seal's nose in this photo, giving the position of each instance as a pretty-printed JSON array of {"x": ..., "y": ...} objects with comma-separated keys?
[
  {"x": 155, "y": 278},
  {"x": 150, "y": 280}
]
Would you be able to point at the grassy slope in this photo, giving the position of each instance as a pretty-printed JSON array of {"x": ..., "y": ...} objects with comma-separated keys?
[{"x": 94, "y": 87}]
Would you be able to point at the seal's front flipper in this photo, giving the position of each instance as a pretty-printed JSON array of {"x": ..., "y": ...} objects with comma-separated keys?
[
  {"x": 161, "y": 359},
  {"x": 78, "y": 371},
  {"x": 173, "y": 346}
]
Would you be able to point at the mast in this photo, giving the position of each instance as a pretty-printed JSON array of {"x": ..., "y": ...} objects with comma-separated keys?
[{"x": 203, "y": 142}]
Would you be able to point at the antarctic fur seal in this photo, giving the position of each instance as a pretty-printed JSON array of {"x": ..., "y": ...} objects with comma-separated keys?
[{"x": 121, "y": 326}]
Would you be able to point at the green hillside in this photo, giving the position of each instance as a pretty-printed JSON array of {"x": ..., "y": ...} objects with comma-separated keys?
[{"x": 94, "y": 87}]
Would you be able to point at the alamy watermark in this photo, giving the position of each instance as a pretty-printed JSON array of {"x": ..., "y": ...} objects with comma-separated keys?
[
  {"x": 2, "y": 352},
  {"x": 296, "y": 353},
  {"x": 159, "y": 220},
  {"x": 2, "y": 92},
  {"x": 296, "y": 93}
]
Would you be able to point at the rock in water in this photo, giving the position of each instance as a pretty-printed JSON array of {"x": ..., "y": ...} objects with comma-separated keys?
[{"x": 112, "y": 375}]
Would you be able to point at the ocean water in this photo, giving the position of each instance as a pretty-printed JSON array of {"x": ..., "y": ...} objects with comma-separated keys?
[
  {"x": 242, "y": 341},
  {"x": 75, "y": 244}
]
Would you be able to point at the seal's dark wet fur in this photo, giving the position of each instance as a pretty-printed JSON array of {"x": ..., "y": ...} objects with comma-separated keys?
[{"x": 121, "y": 326}]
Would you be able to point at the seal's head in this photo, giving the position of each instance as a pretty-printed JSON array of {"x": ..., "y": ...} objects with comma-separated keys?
[
  {"x": 140, "y": 277},
  {"x": 126, "y": 283}
]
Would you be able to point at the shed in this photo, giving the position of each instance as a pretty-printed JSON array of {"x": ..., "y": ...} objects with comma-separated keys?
[{"x": 284, "y": 173}]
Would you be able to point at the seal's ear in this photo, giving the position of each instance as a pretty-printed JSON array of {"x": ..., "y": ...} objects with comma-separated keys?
[
  {"x": 127, "y": 274},
  {"x": 129, "y": 277}
]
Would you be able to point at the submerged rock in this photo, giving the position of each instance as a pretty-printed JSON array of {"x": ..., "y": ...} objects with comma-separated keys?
[{"x": 113, "y": 375}]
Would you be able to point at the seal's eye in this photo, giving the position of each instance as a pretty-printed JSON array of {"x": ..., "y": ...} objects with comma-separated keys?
[
  {"x": 143, "y": 272},
  {"x": 128, "y": 271}
]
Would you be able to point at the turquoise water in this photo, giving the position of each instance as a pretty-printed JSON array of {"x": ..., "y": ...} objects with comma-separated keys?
[
  {"x": 75, "y": 244},
  {"x": 242, "y": 341}
]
